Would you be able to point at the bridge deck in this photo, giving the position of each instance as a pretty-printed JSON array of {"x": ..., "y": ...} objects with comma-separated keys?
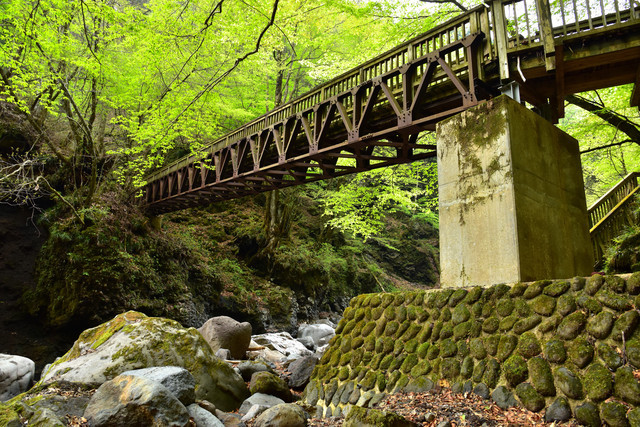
[{"x": 371, "y": 116}]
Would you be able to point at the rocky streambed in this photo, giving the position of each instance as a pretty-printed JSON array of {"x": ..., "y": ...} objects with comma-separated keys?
[{"x": 139, "y": 370}]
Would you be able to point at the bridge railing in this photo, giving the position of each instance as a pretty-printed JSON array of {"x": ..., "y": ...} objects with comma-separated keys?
[
  {"x": 508, "y": 26},
  {"x": 568, "y": 17},
  {"x": 475, "y": 20},
  {"x": 611, "y": 213}
]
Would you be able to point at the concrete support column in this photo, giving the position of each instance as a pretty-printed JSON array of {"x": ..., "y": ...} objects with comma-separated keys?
[{"x": 512, "y": 203}]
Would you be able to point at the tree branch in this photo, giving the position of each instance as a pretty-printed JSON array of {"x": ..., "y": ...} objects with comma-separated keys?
[
  {"x": 620, "y": 122},
  {"x": 453, "y": 2}
]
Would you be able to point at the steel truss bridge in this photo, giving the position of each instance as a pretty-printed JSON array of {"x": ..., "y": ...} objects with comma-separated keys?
[{"x": 371, "y": 116}]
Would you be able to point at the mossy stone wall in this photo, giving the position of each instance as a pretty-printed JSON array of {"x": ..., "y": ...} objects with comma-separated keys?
[{"x": 574, "y": 343}]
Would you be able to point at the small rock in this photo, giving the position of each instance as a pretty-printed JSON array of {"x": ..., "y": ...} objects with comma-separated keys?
[
  {"x": 202, "y": 417},
  {"x": 230, "y": 420},
  {"x": 177, "y": 380},
  {"x": 225, "y": 332},
  {"x": 587, "y": 414},
  {"x": 224, "y": 353},
  {"x": 614, "y": 414},
  {"x": 268, "y": 383},
  {"x": 503, "y": 397},
  {"x": 16, "y": 375},
  {"x": 444, "y": 424},
  {"x": 248, "y": 368},
  {"x": 254, "y": 412},
  {"x": 259, "y": 399},
  {"x": 45, "y": 417},
  {"x": 481, "y": 390},
  {"x": 363, "y": 417},
  {"x": 129, "y": 400},
  {"x": 559, "y": 410},
  {"x": 301, "y": 370}
]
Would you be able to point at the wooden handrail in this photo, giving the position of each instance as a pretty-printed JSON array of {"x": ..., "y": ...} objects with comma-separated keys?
[{"x": 609, "y": 214}]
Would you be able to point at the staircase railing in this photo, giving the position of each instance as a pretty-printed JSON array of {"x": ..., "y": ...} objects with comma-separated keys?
[{"x": 611, "y": 213}]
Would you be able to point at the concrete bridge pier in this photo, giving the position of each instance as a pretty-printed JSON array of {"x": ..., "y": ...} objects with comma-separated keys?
[{"x": 512, "y": 203}]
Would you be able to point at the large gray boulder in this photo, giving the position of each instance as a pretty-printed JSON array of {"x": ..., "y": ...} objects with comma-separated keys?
[
  {"x": 319, "y": 334},
  {"x": 134, "y": 341},
  {"x": 16, "y": 375},
  {"x": 177, "y": 380},
  {"x": 283, "y": 415},
  {"x": 268, "y": 383},
  {"x": 250, "y": 367},
  {"x": 284, "y": 343},
  {"x": 224, "y": 332},
  {"x": 128, "y": 400}
]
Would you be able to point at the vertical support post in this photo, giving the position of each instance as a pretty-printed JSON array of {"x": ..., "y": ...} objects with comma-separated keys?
[
  {"x": 500, "y": 28},
  {"x": 511, "y": 195},
  {"x": 635, "y": 95},
  {"x": 546, "y": 33}
]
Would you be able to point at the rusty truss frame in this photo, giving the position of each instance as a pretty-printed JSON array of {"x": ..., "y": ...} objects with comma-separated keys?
[{"x": 334, "y": 137}]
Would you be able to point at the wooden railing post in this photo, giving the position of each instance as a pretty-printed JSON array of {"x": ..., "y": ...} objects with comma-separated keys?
[
  {"x": 500, "y": 28},
  {"x": 546, "y": 33}
]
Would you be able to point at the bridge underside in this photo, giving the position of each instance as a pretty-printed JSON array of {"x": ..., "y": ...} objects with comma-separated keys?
[{"x": 372, "y": 116}]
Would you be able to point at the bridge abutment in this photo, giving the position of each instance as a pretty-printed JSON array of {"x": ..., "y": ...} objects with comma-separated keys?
[{"x": 512, "y": 203}]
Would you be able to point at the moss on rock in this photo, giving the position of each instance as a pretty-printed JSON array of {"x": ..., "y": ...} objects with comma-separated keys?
[
  {"x": 505, "y": 307},
  {"x": 448, "y": 348},
  {"x": 600, "y": 325},
  {"x": 491, "y": 373},
  {"x": 491, "y": 324},
  {"x": 626, "y": 386},
  {"x": 614, "y": 414},
  {"x": 612, "y": 300},
  {"x": 593, "y": 284},
  {"x": 477, "y": 348},
  {"x": 572, "y": 325},
  {"x": 527, "y": 324},
  {"x": 529, "y": 397},
  {"x": 515, "y": 370},
  {"x": 528, "y": 345},
  {"x": 566, "y": 304},
  {"x": 625, "y": 325},
  {"x": 598, "y": 382},
  {"x": 543, "y": 305},
  {"x": 569, "y": 383},
  {"x": 609, "y": 356},
  {"x": 580, "y": 352},
  {"x": 506, "y": 346},
  {"x": 507, "y": 323},
  {"x": 556, "y": 288},
  {"x": 555, "y": 352},
  {"x": 541, "y": 376},
  {"x": 491, "y": 344},
  {"x": 536, "y": 288},
  {"x": 450, "y": 369},
  {"x": 587, "y": 414}
]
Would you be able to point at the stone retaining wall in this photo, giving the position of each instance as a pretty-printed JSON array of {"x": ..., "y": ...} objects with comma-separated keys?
[{"x": 571, "y": 344}]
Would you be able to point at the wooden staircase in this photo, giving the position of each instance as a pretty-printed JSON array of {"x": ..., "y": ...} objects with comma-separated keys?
[{"x": 611, "y": 213}]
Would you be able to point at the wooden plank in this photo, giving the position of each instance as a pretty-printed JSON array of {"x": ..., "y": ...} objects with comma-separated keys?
[
  {"x": 546, "y": 33},
  {"x": 500, "y": 26}
]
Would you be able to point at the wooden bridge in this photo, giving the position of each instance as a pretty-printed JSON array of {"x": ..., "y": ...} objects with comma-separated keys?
[{"x": 371, "y": 116}]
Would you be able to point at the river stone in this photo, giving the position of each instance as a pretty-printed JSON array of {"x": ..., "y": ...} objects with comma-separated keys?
[
  {"x": 45, "y": 417},
  {"x": 593, "y": 284},
  {"x": 283, "y": 415},
  {"x": 481, "y": 390},
  {"x": 541, "y": 377},
  {"x": 633, "y": 284},
  {"x": 250, "y": 367},
  {"x": 580, "y": 352},
  {"x": 572, "y": 325},
  {"x": 613, "y": 300},
  {"x": 625, "y": 325},
  {"x": 259, "y": 399},
  {"x": 587, "y": 415},
  {"x": 529, "y": 397},
  {"x": 202, "y": 417},
  {"x": 609, "y": 356},
  {"x": 569, "y": 383},
  {"x": 128, "y": 400},
  {"x": 600, "y": 325},
  {"x": 177, "y": 380},
  {"x": 626, "y": 386},
  {"x": 319, "y": 334},
  {"x": 614, "y": 414},
  {"x": 225, "y": 332},
  {"x": 559, "y": 410},
  {"x": 284, "y": 343},
  {"x": 301, "y": 370},
  {"x": 133, "y": 341},
  {"x": 598, "y": 382},
  {"x": 634, "y": 417},
  {"x": 555, "y": 352},
  {"x": 363, "y": 417},
  {"x": 268, "y": 383},
  {"x": 16, "y": 375},
  {"x": 503, "y": 397}
]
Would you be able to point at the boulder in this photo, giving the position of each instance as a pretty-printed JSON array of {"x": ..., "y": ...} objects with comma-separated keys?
[
  {"x": 259, "y": 399},
  {"x": 46, "y": 417},
  {"x": 133, "y": 341},
  {"x": 268, "y": 383},
  {"x": 16, "y": 375},
  {"x": 224, "y": 332},
  {"x": 224, "y": 354},
  {"x": 301, "y": 370},
  {"x": 254, "y": 411},
  {"x": 248, "y": 368},
  {"x": 202, "y": 417},
  {"x": 177, "y": 380},
  {"x": 319, "y": 334},
  {"x": 284, "y": 343},
  {"x": 283, "y": 415},
  {"x": 128, "y": 400}
]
